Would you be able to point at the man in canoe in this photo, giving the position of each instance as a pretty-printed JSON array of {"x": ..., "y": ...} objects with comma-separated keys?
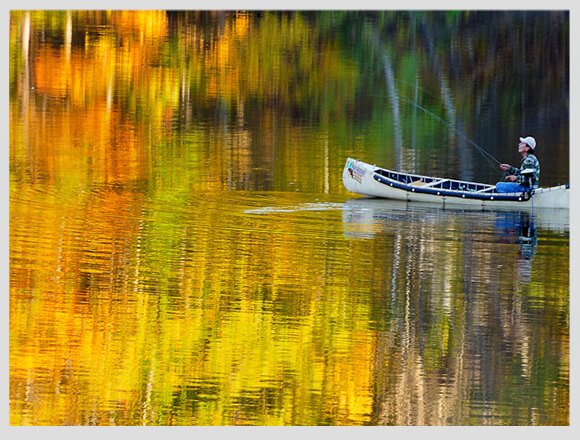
[{"x": 528, "y": 175}]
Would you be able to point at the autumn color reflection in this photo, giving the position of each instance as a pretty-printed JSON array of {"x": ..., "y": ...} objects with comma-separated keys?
[{"x": 162, "y": 271}]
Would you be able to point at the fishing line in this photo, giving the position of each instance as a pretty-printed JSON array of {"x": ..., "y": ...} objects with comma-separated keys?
[{"x": 480, "y": 149}]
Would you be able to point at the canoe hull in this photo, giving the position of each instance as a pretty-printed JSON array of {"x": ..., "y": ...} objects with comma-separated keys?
[{"x": 368, "y": 180}]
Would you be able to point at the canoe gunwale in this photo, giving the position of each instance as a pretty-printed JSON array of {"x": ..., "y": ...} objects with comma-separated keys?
[{"x": 514, "y": 197}]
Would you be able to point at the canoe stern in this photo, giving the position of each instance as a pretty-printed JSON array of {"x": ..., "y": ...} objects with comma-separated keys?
[{"x": 358, "y": 178}]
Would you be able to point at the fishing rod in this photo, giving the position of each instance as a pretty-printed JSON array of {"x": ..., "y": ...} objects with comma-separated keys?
[{"x": 480, "y": 149}]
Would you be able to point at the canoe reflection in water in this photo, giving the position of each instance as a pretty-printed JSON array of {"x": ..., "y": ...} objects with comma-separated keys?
[{"x": 495, "y": 231}]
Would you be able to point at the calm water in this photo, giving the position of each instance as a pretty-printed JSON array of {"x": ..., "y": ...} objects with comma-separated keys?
[{"x": 183, "y": 252}]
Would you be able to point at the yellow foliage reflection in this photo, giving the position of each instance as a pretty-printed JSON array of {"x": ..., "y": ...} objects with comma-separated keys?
[{"x": 145, "y": 289}]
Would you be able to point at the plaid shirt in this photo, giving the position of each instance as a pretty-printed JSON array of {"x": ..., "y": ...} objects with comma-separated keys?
[{"x": 530, "y": 161}]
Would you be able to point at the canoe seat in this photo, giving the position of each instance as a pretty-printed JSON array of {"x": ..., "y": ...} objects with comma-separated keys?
[
  {"x": 437, "y": 182},
  {"x": 418, "y": 183}
]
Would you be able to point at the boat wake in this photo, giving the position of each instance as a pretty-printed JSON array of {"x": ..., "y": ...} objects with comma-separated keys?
[{"x": 325, "y": 206}]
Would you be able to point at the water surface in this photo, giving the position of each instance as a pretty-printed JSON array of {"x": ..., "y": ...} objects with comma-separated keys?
[{"x": 183, "y": 252}]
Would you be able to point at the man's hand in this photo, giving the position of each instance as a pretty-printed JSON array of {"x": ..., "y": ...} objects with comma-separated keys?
[
  {"x": 505, "y": 166},
  {"x": 511, "y": 178}
]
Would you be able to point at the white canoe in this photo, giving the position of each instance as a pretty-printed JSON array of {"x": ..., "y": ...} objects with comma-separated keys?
[{"x": 369, "y": 180}]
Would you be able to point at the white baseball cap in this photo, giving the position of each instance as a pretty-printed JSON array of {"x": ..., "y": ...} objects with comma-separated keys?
[{"x": 530, "y": 141}]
